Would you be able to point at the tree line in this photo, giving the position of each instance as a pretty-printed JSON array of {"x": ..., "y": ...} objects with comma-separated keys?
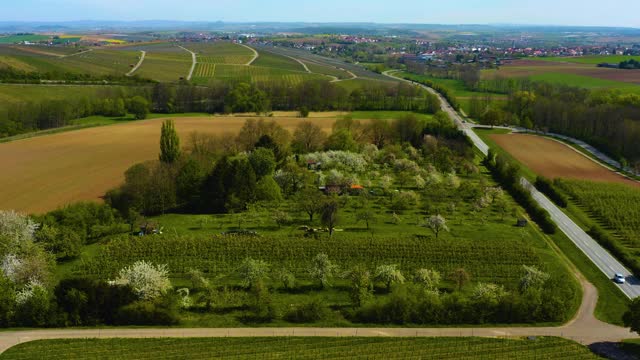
[{"x": 217, "y": 98}]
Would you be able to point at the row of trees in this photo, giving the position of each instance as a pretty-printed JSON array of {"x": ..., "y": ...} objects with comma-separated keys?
[
  {"x": 508, "y": 175},
  {"x": 49, "y": 114},
  {"x": 216, "y": 98}
]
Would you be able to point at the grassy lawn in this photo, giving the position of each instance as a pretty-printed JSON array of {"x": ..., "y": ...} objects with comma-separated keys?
[
  {"x": 301, "y": 347},
  {"x": 612, "y": 303}
]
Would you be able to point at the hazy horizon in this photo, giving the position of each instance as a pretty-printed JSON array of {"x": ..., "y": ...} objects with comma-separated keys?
[{"x": 465, "y": 12}]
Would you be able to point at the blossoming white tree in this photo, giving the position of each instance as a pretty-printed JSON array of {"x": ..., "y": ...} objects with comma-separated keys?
[
  {"x": 437, "y": 224},
  {"x": 147, "y": 280},
  {"x": 389, "y": 275},
  {"x": 16, "y": 227}
]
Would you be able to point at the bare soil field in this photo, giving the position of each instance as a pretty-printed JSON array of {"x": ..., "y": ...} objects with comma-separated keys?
[
  {"x": 43, "y": 173},
  {"x": 554, "y": 159},
  {"x": 523, "y": 68}
]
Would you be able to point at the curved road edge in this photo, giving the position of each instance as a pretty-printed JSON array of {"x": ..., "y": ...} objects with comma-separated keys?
[
  {"x": 135, "y": 68},
  {"x": 194, "y": 61}
]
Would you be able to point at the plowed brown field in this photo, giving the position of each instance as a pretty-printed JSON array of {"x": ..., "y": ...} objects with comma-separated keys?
[
  {"x": 46, "y": 172},
  {"x": 554, "y": 159}
]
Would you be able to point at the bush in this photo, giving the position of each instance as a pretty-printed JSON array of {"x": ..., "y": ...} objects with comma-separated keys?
[
  {"x": 313, "y": 311},
  {"x": 508, "y": 175},
  {"x": 548, "y": 188},
  {"x": 145, "y": 313},
  {"x": 64, "y": 243},
  {"x": 101, "y": 303},
  {"x": 90, "y": 221}
]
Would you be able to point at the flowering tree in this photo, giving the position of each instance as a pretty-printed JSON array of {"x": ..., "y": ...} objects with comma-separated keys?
[
  {"x": 252, "y": 272},
  {"x": 533, "y": 277},
  {"x": 488, "y": 293},
  {"x": 437, "y": 224},
  {"x": 147, "y": 280},
  {"x": 430, "y": 279},
  {"x": 16, "y": 228},
  {"x": 389, "y": 275},
  {"x": 323, "y": 269}
]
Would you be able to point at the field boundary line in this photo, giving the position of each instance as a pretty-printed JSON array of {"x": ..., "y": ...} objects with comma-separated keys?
[
  {"x": 135, "y": 68},
  {"x": 74, "y": 54},
  {"x": 194, "y": 61},
  {"x": 255, "y": 54},
  {"x": 301, "y": 63}
]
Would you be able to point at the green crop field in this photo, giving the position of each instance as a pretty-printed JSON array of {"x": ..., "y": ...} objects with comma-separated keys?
[
  {"x": 12, "y": 39},
  {"x": 101, "y": 62},
  {"x": 594, "y": 60},
  {"x": 585, "y": 81},
  {"x": 43, "y": 60},
  {"x": 269, "y": 59},
  {"x": 250, "y": 74},
  {"x": 16, "y": 93},
  {"x": 205, "y": 70},
  {"x": 615, "y": 206},
  {"x": 165, "y": 66},
  {"x": 159, "y": 47},
  {"x": 220, "y": 256},
  {"x": 220, "y": 53},
  {"x": 327, "y": 70},
  {"x": 302, "y": 348}
]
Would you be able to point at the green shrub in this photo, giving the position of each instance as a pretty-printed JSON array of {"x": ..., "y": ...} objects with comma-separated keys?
[
  {"x": 146, "y": 313},
  {"x": 313, "y": 311}
]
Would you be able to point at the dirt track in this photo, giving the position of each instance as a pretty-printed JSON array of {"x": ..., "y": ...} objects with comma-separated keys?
[
  {"x": 553, "y": 159},
  {"x": 43, "y": 173}
]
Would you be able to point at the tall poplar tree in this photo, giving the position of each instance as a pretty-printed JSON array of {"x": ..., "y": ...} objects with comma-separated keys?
[{"x": 169, "y": 143}]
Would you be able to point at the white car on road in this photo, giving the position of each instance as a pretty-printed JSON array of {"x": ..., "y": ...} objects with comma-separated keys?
[{"x": 619, "y": 278}]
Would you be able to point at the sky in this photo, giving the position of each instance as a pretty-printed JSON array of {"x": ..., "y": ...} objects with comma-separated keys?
[{"x": 538, "y": 12}]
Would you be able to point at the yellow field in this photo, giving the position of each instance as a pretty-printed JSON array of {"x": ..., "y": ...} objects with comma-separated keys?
[{"x": 42, "y": 173}]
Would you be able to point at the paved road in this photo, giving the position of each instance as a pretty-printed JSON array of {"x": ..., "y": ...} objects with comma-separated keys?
[
  {"x": 598, "y": 255},
  {"x": 194, "y": 61},
  {"x": 135, "y": 68}
]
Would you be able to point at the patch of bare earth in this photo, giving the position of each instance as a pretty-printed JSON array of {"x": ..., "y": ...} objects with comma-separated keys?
[{"x": 553, "y": 159}]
